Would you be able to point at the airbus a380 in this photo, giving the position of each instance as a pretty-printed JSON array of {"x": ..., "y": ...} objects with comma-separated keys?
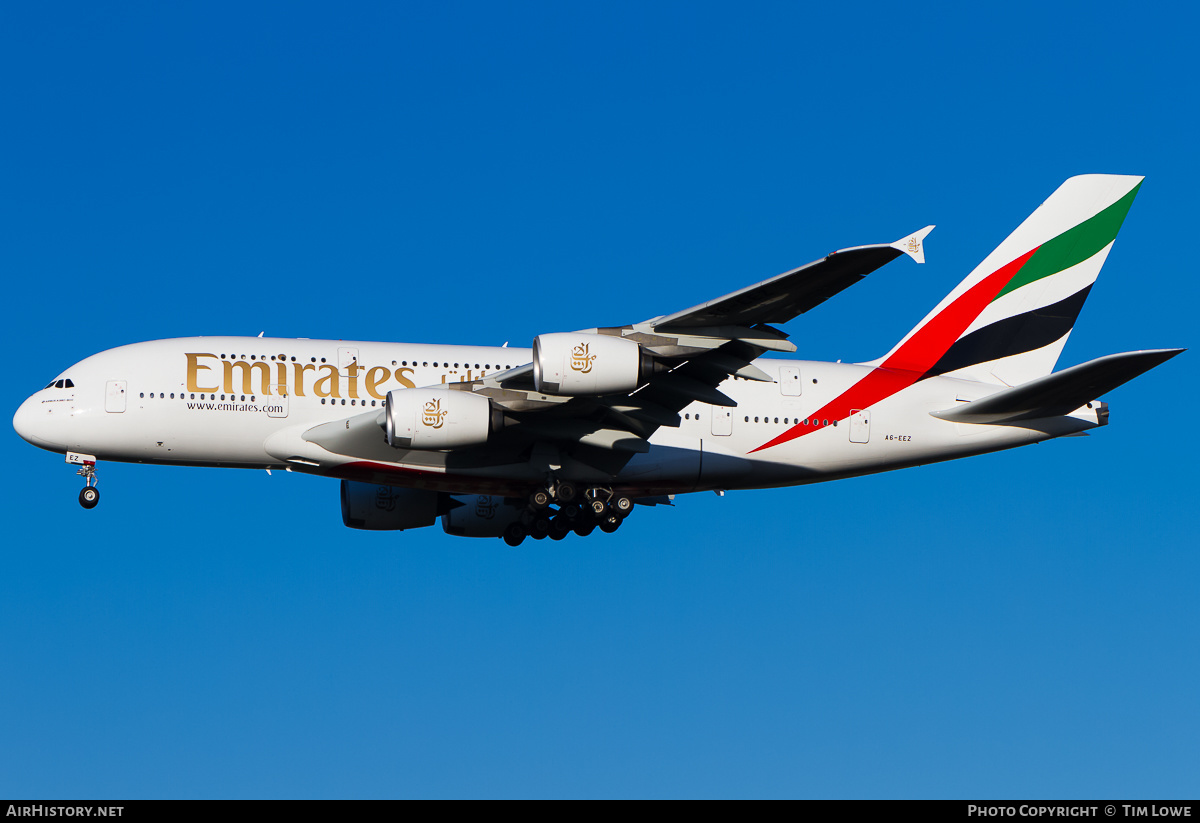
[{"x": 571, "y": 434}]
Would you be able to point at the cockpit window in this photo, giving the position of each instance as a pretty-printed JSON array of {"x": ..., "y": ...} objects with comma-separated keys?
[
  {"x": 65, "y": 383},
  {"x": 49, "y": 385},
  {"x": 68, "y": 383}
]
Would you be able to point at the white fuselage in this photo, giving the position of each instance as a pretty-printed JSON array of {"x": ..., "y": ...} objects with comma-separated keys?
[{"x": 248, "y": 402}]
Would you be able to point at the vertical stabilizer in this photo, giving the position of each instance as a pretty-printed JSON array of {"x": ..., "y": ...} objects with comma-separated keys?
[{"x": 1008, "y": 321}]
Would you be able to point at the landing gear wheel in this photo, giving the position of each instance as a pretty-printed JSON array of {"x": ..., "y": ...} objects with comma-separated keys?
[
  {"x": 569, "y": 510},
  {"x": 567, "y": 492},
  {"x": 540, "y": 528},
  {"x": 610, "y": 524},
  {"x": 597, "y": 508},
  {"x": 539, "y": 500},
  {"x": 89, "y": 497},
  {"x": 558, "y": 532},
  {"x": 514, "y": 535},
  {"x": 584, "y": 529},
  {"x": 621, "y": 506}
]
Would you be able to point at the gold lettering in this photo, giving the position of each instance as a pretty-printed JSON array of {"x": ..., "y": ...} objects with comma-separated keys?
[
  {"x": 353, "y": 369},
  {"x": 299, "y": 368},
  {"x": 247, "y": 368},
  {"x": 321, "y": 388},
  {"x": 193, "y": 370},
  {"x": 372, "y": 380},
  {"x": 281, "y": 370},
  {"x": 403, "y": 380}
]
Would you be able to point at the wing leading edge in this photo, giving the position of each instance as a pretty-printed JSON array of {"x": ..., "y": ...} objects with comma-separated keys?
[{"x": 787, "y": 295}]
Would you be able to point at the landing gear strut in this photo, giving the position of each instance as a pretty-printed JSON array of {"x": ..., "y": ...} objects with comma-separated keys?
[{"x": 90, "y": 495}]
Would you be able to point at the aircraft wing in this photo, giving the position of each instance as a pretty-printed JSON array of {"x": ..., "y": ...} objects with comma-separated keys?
[
  {"x": 792, "y": 293},
  {"x": 691, "y": 352},
  {"x": 695, "y": 350}
]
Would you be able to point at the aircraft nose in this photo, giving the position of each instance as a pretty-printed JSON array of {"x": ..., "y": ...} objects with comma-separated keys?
[{"x": 29, "y": 423}]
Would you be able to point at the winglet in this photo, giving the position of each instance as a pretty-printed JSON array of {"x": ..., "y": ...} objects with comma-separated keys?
[{"x": 911, "y": 245}]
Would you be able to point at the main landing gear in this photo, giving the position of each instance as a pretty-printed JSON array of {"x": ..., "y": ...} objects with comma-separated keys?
[
  {"x": 89, "y": 496},
  {"x": 559, "y": 509}
]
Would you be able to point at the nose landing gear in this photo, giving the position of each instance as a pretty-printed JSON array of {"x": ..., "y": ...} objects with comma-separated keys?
[{"x": 89, "y": 496}]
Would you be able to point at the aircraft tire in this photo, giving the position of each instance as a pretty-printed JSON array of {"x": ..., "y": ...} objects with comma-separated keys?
[
  {"x": 540, "y": 499},
  {"x": 598, "y": 508},
  {"x": 621, "y": 506},
  {"x": 514, "y": 535},
  {"x": 584, "y": 529},
  {"x": 567, "y": 492},
  {"x": 89, "y": 496},
  {"x": 610, "y": 524}
]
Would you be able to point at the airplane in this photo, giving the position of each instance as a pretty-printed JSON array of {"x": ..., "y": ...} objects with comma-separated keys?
[{"x": 571, "y": 434}]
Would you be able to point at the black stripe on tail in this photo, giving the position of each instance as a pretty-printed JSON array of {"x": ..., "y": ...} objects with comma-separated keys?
[{"x": 1012, "y": 335}]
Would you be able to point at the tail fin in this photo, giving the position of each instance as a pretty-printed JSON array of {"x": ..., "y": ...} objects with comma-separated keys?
[{"x": 1009, "y": 320}]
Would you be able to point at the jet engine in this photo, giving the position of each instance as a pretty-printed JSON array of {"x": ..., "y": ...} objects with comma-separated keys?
[
  {"x": 587, "y": 364},
  {"x": 438, "y": 419},
  {"x": 480, "y": 515},
  {"x": 387, "y": 508}
]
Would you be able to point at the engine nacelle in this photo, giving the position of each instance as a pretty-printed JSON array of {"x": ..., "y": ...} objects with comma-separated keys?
[
  {"x": 438, "y": 419},
  {"x": 587, "y": 364},
  {"x": 480, "y": 515},
  {"x": 387, "y": 508}
]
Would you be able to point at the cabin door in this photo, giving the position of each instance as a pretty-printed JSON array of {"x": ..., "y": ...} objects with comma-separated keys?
[{"x": 860, "y": 426}]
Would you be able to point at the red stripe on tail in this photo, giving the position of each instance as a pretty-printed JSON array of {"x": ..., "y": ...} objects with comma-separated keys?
[{"x": 916, "y": 356}]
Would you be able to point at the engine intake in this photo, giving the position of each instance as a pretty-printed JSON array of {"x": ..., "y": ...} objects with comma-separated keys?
[
  {"x": 438, "y": 419},
  {"x": 587, "y": 364}
]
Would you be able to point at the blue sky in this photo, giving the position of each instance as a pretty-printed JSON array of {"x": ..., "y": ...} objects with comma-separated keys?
[{"x": 1014, "y": 625}]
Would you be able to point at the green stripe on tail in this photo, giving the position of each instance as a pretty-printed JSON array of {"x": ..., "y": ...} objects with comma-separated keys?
[{"x": 1074, "y": 245}]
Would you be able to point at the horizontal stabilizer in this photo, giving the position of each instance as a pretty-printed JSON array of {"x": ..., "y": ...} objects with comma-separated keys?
[{"x": 1059, "y": 393}]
